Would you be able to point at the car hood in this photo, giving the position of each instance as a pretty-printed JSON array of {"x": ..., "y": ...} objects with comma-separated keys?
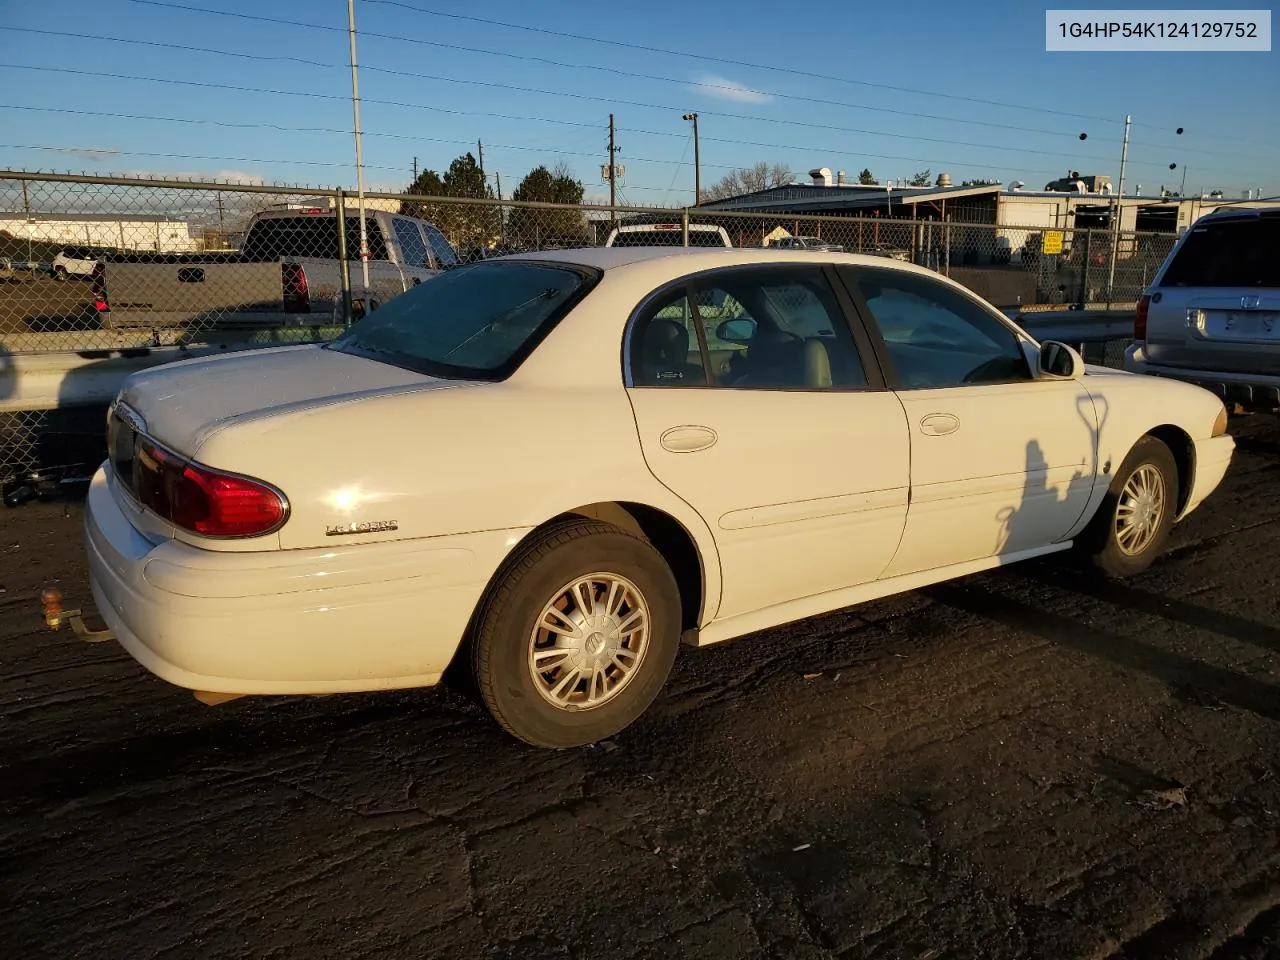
[{"x": 185, "y": 403}]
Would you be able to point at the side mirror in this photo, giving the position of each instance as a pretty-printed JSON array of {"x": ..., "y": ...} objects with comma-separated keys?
[
  {"x": 739, "y": 330},
  {"x": 1059, "y": 360}
]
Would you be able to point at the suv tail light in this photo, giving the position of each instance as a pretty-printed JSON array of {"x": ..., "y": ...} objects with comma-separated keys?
[
  {"x": 1140, "y": 317},
  {"x": 206, "y": 502},
  {"x": 100, "y": 288},
  {"x": 297, "y": 299}
]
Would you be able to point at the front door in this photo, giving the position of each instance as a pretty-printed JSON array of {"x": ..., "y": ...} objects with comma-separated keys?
[
  {"x": 753, "y": 404},
  {"x": 1000, "y": 461}
]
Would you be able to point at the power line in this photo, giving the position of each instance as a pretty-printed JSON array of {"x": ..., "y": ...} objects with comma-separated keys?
[
  {"x": 709, "y": 58},
  {"x": 172, "y": 46},
  {"x": 527, "y": 58},
  {"x": 1019, "y": 128},
  {"x": 175, "y": 156},
  {"x": 738, "y": 62},
  {"x": 335, "y": 130}
]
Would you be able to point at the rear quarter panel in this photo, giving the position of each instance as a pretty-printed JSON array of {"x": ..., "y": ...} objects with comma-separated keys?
[{"x": 476, "y": 457}]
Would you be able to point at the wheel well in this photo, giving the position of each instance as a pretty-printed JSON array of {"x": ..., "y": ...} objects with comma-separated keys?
[
  {"x": 1184, "y": 455},
  {"x": 668, "y": 536}
]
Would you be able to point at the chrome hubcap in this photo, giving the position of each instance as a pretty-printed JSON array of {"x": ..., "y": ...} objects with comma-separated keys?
[
  {"x": 1140, "y": 510},
  {"x": 588, "y": 641}
]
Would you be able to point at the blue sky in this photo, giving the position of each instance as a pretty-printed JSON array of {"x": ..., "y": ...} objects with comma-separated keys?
[{"x": 988, "y": 52}]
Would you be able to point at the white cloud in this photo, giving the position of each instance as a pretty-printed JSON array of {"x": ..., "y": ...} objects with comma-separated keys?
[{"x": 722, "y": 89}]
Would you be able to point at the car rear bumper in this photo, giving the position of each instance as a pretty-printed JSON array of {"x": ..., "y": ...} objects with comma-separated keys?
[
  {"x": 1260, "y": 390},
  {"x": 361, "y": 617}
]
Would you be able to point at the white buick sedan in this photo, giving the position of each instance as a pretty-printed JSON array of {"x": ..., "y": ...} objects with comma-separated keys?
[{"x": 546, "y": 471}]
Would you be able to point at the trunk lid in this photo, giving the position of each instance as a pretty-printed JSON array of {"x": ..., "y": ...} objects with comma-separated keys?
[{"x": 182, "y": 404}]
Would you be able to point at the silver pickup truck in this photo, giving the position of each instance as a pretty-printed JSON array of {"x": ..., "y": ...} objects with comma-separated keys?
[
  {"x": 1211, "y": 316},
  {"x": 286, "y": 273}
]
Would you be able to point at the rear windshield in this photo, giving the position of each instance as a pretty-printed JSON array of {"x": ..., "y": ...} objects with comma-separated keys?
[
  {"x": 1240, "y": 253},
  {"x": 667, "y": 238},
  {"x": 279, "y": 238},
  {"x": 477, "y": 321}
]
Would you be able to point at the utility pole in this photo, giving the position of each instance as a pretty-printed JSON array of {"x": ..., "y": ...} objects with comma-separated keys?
[
  {"x": 697, "y": 161},
  {"x": 1182, "y": 190},
  {"x": 415, "y": 169},
  {"x": 502, "y": 219},
  {"x": 613, "y": 176},
  {"x": 1115, "y": 219},
  {"x": 355, "y": 107},
  {"x": 480, "y": 155},
  {"x": 26, "y": 209}
]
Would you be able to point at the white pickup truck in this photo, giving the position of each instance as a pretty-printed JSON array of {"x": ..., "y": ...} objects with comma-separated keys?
[{"x": 286, "y": 273}]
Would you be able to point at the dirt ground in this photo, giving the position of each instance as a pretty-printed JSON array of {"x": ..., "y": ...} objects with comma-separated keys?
[{"x": 1025, "y": 763}]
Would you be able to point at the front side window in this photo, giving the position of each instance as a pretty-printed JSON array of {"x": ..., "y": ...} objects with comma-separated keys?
[
  {"x": 754, "y": 328},
  {"x": 936, "y": 336},
  {"x": 477, "y": 321}
]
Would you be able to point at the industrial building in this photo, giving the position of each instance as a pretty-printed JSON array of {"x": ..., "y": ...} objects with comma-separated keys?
[
  {"x": 1011, "y": 207},
  {"x": 124, "y": 231}
]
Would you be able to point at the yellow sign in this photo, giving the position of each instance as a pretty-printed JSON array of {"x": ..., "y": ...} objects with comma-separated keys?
[{"x": 1052, "y": 242}]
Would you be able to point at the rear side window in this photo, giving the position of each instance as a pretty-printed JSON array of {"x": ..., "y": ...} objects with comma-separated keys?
[
  {"x": 278, "y": 238},
  {"x": 440, "y": 246},
  {"x": 412, "y": 246},
  {"x": 1240, "y": 253},
  {"x": 667, "y": 238}
]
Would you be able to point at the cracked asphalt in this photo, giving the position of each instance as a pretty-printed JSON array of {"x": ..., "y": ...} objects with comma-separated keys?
[{"x": 1025, "y": 763}]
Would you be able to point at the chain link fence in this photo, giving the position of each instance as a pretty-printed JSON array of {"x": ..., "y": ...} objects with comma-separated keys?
[{"x": 120, "y": 264}]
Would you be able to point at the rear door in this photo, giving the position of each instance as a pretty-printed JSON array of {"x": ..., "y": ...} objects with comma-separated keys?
[{"x": 1216, "y": 305}]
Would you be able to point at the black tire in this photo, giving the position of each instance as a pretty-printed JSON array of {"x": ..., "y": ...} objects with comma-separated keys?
[
  {"x": 60, "y": 273},
  {"x": 1101, "y": 541},
  {"x": 504, "y": 633}
]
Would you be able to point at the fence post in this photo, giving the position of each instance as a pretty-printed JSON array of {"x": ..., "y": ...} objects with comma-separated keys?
[
  {"x": 344, "y": 267},
  {"x": 684, "y": 227}
]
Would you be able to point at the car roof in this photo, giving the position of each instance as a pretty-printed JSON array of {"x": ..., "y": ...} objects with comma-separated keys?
[{"x": 693, "y": 259}]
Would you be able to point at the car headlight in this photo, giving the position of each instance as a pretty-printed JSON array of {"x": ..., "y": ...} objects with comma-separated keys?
[{"x": 1220, "y": 425}]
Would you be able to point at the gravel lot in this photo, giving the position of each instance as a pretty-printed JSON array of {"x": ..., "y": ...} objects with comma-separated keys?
[{"x": 1024, "y": 763}]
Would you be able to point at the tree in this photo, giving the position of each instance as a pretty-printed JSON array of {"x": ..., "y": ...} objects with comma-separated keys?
[
  {"x": 428, "y": 184},
  {"x": 466, "y": 225},
  {"x": 867, "y": 178},
  {"x": 537, "y": 227},
  {"x": 922, "y": 178},
  {"x": 469, "y": 226},
  {"x": 762, "y": 176}
]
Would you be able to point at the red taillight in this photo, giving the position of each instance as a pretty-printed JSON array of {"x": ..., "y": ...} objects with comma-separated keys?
[
  {"x": 297, "y": 299},
  {"x": 100, "y": 288},
  {"x": 1140, "y": 317},
  {"x": 205, "y": 502}
]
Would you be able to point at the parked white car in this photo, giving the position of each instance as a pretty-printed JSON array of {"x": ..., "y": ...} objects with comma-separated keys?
[
  {"x": 76, "y": 262},
  {"x": 548, "y": 469}
]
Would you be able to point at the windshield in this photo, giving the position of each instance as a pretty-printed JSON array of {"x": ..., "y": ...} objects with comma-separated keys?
[
  {"x": 478, "y": 321},
  {"x": 1241, "y": 253}
]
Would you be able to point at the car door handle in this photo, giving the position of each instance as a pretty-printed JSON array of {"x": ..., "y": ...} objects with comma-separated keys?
[
  {"x": 939, "y": 424},
  {"x": 688, "y": 439}
]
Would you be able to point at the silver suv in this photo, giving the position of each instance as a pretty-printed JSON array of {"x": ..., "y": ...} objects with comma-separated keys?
[{"x": 1212, "y": 314}]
